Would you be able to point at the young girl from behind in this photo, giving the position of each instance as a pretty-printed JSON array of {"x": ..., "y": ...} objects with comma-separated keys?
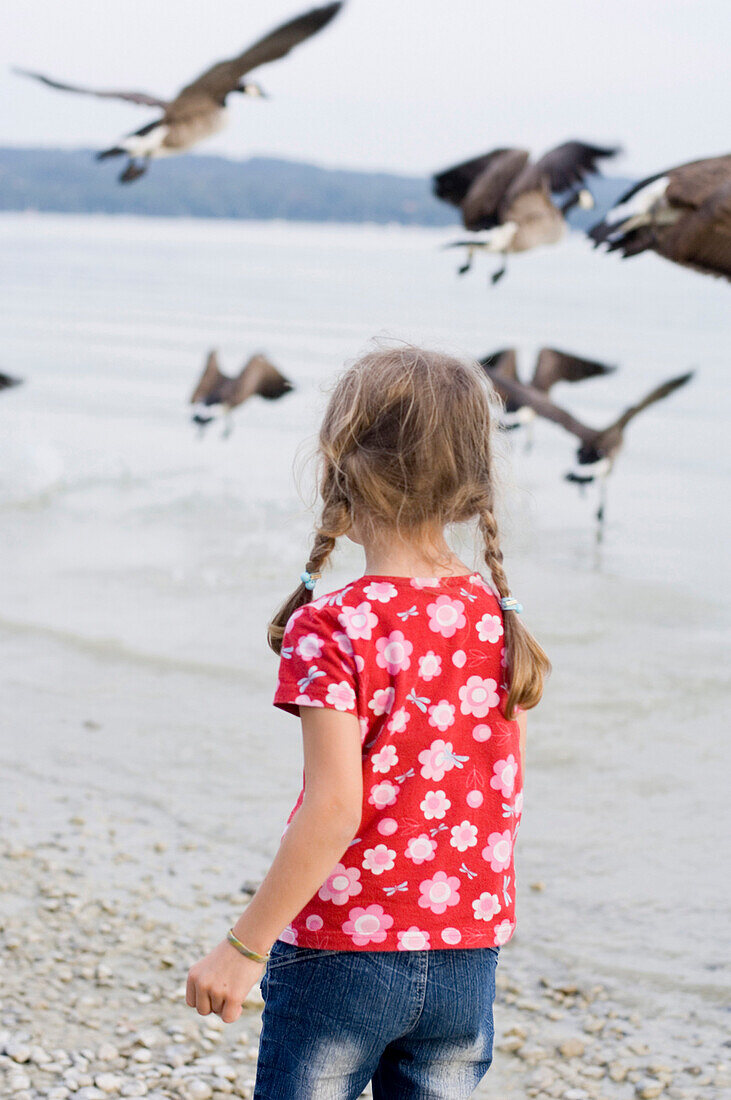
[{"x": 393, "y": 890}]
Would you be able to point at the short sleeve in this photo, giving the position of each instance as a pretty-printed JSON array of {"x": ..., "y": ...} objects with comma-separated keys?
[{"x": 317, "y": 664}]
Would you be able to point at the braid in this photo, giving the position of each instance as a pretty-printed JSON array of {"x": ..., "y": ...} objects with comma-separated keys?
[
  {"x": 335, "y": 521},
  {"x": 527, "y": 664}
]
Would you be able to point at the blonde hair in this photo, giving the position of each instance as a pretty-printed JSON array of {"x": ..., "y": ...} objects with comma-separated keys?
[{"x": 406, "y": 444}]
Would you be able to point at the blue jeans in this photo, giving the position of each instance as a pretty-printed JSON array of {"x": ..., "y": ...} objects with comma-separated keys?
[{"x": 416, "y": 1023}]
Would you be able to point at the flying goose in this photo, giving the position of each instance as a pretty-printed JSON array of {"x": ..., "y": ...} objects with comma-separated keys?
[
  {"x": 506, "y": 194},
  {"x": 6, "y": 381},
  {"x": 552, "y": 366},
  {"x": 599, "y": 447},
  {"x": 683, "y": 214},
  {"x": 199, "y": 109},
  {"x": 217, "y": 393}
]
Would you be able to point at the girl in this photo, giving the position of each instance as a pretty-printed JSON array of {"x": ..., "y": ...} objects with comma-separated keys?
[{"x": 381, "y": 918}]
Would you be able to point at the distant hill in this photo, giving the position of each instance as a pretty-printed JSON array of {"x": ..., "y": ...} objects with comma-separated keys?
[{"x": 71, "y": 182}]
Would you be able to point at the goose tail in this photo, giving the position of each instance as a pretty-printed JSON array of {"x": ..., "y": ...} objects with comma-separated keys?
[{"x": 115, "y": 151}]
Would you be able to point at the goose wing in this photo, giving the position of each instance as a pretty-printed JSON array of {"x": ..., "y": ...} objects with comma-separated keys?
[
  {"x": 215, "y": 83},
  {"x": 559, "y": 366},
  {"x": 261, "y": 377},
  {"x": 527, "y": 395},
  {"x": 561, "y": 168},
  {"x": 501, "y": 364},
  {"x": 655, "y": 395},
  {"x": 452, "y": 184},
  {"x": 211, "y": 379},
  {"x": 702, "y": 238},
  {"x": 142, "y": 98}
]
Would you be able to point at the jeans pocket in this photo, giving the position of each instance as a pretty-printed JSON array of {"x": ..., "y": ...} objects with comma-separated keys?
[{"x": 284, "y": 954}]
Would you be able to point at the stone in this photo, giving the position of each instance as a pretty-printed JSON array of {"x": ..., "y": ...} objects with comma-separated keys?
[
  {"x": 108, "y": 1082},
  {"x": 18, "y": 1051},
  {"x": 571, "y": 1048},
  {"x": 133, "y": 1088},
  {"x": 648, "y": 1089},
  {"x": 107, "y": 1052},
  {"x": 617, "y": 1071},
  {"x": 196, "y": 1089},
  {"x": 575, "y": 1094},
  {"x": 18, "y": 1081}
]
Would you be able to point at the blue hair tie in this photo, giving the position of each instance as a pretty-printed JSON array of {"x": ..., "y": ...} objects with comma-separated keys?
[
  {"x": 509, "y": 603},
  {"x": 309, "y": 579}
]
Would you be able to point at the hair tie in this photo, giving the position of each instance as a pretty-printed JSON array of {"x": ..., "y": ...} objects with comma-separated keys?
[
  {"x": 308, "y": 579},
  {"x": 509, "y": 603}
]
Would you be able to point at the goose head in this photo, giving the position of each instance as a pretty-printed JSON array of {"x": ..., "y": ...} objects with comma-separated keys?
[
  {"x": 251, "y": 89},
  {"x": 203, "y": 414},
  {"x": 591, "y": 465}
]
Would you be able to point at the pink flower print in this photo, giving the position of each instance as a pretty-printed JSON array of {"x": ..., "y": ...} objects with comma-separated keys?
[
  {"x": 504, "y": 778},
  {"x": 482, "y": 733},
  {"x": 477, "y": 696},
  {"x": 413, "y": 939},
  {"x": 421, "y": 848},
  {"x": 437, "y": 759},
  {"x": 379, "y": 859},
  {"x": 387, "y": 826},
  {"x": 441, "y": 715},
  {"x": 341, "y": 884},
  {"x": 358, "y": 622},
  {"x": 518, "y": 804},
  {"x": 343, "y": 642},
  {"x": 384, "y": 760},
  {"x": 399, "y": 720},
  {"x": 474, "y": 799},
  {"x": 439, "y": 892},
  {"x": 446, "y": 616},
  {"x": 503, "y": 932},
  {"x": 305, "y": 701},
  {"x": 480, "y": 581},
  {"x": 464, "y": 836},
  {"x": 288, "y": 935},
  {"x": 430, "y": 665},
  {"x": 314, "y": 923},
  {"x": 394, "y": 652},
  {"x": 341, "y": 696},
  {"x": 459, "y": 658},
  {"x": 382, "y": 701},
  {"x": 490, "y": 629},
  {"x": 451, "y": 936},
  {"x": 383, "y": 794},
  {"x": 486, "y": 906},
  {"x": 498, "y": 850},
  {"x": 363, "y": 724},
  {"x": 369, "y": 925},
  {"x": 424, "y": 582},
  {"x": 309, "y": 646},
  {"x": 435, "y": 804},
  {"x": 380, "y": 591}
]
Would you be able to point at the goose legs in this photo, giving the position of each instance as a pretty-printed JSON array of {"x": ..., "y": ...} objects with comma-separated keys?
[{"x": 134, "y": 170}]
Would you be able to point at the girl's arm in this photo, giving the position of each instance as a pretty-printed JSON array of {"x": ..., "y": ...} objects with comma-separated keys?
[{"x": 316, "y": 838}]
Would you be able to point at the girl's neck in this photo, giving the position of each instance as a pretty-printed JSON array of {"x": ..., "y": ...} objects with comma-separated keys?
[{"x": 395, "y": 556}]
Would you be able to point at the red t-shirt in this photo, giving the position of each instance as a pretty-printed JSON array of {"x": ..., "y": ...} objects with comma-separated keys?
[{"x": 420, "y": 662}]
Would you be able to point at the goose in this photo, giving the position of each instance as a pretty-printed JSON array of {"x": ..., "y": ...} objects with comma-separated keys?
[
  {"x": 7, "y": 380},
  {"x": 683, "y": 214},
  {"x": 552, "y": 366},
  {"x": 506, "y": 194},
  {"x": 199, "y": 109},
  {"x": 599, "y": 447},
  {"x": 216, "y": 393}
]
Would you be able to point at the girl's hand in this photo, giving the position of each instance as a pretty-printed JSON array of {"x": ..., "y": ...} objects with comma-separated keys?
[{"x": 221, "y": 981}]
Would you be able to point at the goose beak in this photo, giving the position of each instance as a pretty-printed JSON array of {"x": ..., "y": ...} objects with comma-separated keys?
[
  {"x": 586, "y": 199},
  {"x": 255, "y": 91}
]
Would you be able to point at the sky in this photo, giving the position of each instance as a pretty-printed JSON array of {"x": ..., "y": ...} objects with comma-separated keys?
[{"x": 408, "y": 86}]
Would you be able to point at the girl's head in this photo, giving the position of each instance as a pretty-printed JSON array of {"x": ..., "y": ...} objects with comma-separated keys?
[{"x": 405, "y": 448}]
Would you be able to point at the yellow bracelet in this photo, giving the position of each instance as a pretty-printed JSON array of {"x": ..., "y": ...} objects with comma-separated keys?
[{"x": 245, "y": 950}]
